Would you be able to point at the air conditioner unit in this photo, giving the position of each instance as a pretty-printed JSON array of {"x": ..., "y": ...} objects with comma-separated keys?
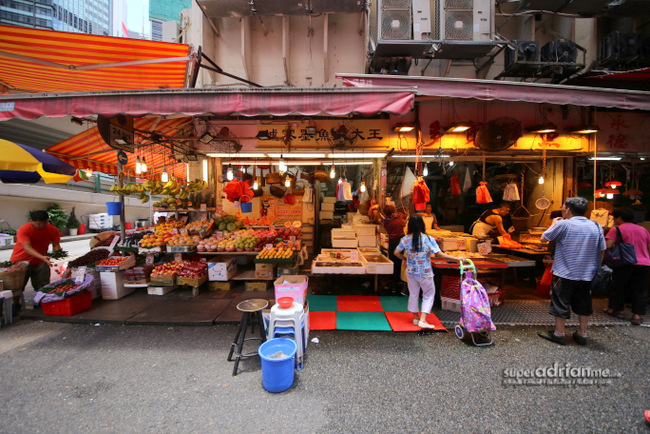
[
  {"x": 523, "y": 51},
  {"x": 618, "y": 48},
  {"x": 421, "y": 19},
  {"x": 466, "y": 20},
  {"x": 170, "y": 31},
  {"x": 394, "y": 19},
  {"x": 559, "y": 52}
]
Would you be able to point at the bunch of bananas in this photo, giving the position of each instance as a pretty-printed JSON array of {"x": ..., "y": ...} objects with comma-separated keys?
[
  {"x": 171, "y": 188},
  {"x": 127, "y": 189},
  {"x": 196, "y": 185}
]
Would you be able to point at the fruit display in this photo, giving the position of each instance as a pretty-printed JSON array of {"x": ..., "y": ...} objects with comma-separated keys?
[
  {"x": 198, "y": 226},
  {"x": 169, "y": 268},
  {"x": 281, "y": 252},
  {"x": 193, "y": 270},
  {"x": 60, "y": 288},
  {"x": 183, "y": 240},
  {"x": 90, "y": 258},
  {"x": 111, "y": 262},
  {"x": 227, "y": 223}
]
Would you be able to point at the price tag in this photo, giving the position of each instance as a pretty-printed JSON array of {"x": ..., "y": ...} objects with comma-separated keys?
[
  {"x": 268, "y": 246},
  {"x": 354, "y": 255},
  {"x": 292, "y": 238},
  {"x": 219, "y": 235},
  {"x": 204, "y": 217},
  {"x": 178, "y": 257},
  {"x": 203, "y": 207},
  {"x": 184, "y": 219},
  {"x": 183, "y": 231},
  {"x": 149, "y": 260},
  {"x": 116, "y": 238},
  {"x": 204, "y": 260},
  {"x": 174, "y": 231},
  {"x": 202, "y": 233},
  {"x": 80, "y": 275}
]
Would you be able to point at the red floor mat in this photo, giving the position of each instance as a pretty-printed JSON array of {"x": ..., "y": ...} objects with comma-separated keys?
[
  {"x": 322, "y": 320},
  {"x": 403, "y": 322},
  {"x": 359, "y": 303}
]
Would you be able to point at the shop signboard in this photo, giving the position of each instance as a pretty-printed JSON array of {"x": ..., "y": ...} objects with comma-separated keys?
[{"x": 289, "y": 212}]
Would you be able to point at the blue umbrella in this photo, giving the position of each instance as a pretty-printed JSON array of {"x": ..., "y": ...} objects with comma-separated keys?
[{"x": 24, "y": 164}]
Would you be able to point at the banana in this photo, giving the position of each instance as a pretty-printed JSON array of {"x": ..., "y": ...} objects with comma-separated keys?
[{"x": 144, "y": 197}]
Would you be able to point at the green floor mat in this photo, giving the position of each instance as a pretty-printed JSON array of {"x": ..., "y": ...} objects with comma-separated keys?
[
  {"x": 396, "y": 303},
  {"x": 374, "y": 321},
  {"x": 322, "y": 303}
]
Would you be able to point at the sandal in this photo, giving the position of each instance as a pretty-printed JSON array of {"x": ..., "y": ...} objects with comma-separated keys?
[
  {"x": 636, "y": 320},
  {"x": 614, "y": 313}
]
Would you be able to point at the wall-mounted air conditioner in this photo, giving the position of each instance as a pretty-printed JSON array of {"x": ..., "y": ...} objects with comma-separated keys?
[
  {"x": 521, "y": 51},
  {"x": 466, "y": 20},
  {"x": 394, "y": 19},
  {"x": 421, "y": 19}
]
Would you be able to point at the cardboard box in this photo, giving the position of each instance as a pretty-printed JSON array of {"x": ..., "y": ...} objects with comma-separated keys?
[
  {"x": 222, "y": 269},
  {"x": 326, "y": 215},
  {"x": 327, "y": 206},
  {"x": 162, "y": 279},
  {"x": 180, "y": 280},
  {"x": 219, "y": 286},
  {"x": 367, "y": 240},
  {"x": 329, "y": 199},
  {"x": 256, "y": 286},
  {"x": 113, "y": 285},
  {"x": 291, "y": 286},
  {"x": 265, "y": 271}
]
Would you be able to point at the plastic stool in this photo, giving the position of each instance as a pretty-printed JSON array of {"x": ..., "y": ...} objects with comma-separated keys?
[
  {"x": 7, "y": 300},
  {"x": 252, "y": 313},
  {"x": 290, "y": 321}
]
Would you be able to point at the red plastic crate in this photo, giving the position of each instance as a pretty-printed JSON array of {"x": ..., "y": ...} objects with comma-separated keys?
[
  {"x": 450, "y": 286},
  {"x": 69, "y": 306}
]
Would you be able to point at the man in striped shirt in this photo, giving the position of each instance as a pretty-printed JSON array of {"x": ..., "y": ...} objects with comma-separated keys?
[{"x": 579, "y": 249}]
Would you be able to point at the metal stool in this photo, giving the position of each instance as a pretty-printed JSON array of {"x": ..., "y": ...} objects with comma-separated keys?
[{"x": 252, "y": 310}]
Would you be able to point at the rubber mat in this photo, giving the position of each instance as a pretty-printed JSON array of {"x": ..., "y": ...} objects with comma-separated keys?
[
  {"x": 403, "y": 322},
  {"x": 396, "y": 303},
  {"x": 322, "y": 320},
  {"x": 326, "y": 303},
  {"x": 359, "y": 303},
  {"x": 375, "y": 321}
]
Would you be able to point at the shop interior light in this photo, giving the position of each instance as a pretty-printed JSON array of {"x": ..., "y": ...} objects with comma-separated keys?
[
  {"x": 425, "y": 170},
  {"x": 457, "y": 127},
  {"x": 206, "y": 138},
  {"x": 348, "y": 155},
  {"x": 144, "y": 165},
  {"x": 642, "y": 158},
  {"x": 229, "y": 173},
  {"x": 403, "y": 128},
  {"x": 89, "y": 173},
  {"x": 282, "y": 166},
  {"x": 332, "y": 172},
  {"x": 545, "y": 128},
  {"x": 605, "y": 158},
  {"x": 256, "y": 186},
  {"x": 599, "y": 193},
  {"x": 413, "y": 156},
  {"x": 138, "y": 166},
  {"x": 205, "y": 169},
  {"x": 610, "y": 192},
  {"x": 340, "y": 181},
  {"x": 164, "y": 177},
  {"x": 451, "y": 164},
  {"x": 296, "y": 155},
  {"x": 287, "y": 181},
  {"x": 541, "y": 180},
  {"x": 613, "y": 184},
  {"x": 362, "y": 187},
  {"x": 585, "y": 129},
  {"x": 239, "y": 155}
]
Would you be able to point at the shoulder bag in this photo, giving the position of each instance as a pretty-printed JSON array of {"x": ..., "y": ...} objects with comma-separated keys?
[
  {"x": 602, "y": 280},
  {"x": 621, "y": 254}
]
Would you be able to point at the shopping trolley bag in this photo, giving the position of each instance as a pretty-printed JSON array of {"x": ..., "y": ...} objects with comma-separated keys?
[{"x": 476, "y": 315}]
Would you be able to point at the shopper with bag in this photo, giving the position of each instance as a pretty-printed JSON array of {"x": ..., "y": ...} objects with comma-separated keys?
[
  {"x": 627, "y": 254},
  {"x": 578, "y": 253},
  {"x": 417, "y": 248}
]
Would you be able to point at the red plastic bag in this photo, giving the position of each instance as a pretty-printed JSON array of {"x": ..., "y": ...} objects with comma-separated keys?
[
  {"x": 546, "y": 277},
  {"x": 455, "y": 185},
  {"x": 482, "y": 193}
]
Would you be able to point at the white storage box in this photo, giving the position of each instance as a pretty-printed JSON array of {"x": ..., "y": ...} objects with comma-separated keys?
[
  {"x": 343, "y": 232},
  {"x": 160, "y": 290},
  {"x": 326, "y": 215},
  {"x": 113, "y": 285},
  {"x": 327, "y": 206},
  {"x": 365, "y": 229},
  {"x": 100, "y": 221},
  {"x": 6, "y": 240},
  {"x": 450, "y": 304},
  {"x": 346, "y": 243},
  {"x": 222, "y": 269},
  {"x": 329, "y": 199},
  {"x": 367, "y": 240}
]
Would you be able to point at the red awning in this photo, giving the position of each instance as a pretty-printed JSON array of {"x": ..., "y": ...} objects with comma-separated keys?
[
  {"x": 490, "y": 90},
  {"x": 220, "y": 103},
  {"x": 33, "y": 60},
  {"x": 87, "y": 150}
]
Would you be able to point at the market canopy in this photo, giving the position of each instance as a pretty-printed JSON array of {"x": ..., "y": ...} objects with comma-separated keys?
[
  {"x": 88, "y": 150},
  {"x": 220, "y": 103},
  {"x": 24, "y": 164},
  {"x": 491, "y": 90},
  {"x": 34, "y": 60}
]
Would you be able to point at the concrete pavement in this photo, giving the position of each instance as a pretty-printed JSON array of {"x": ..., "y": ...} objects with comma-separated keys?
[{"x": 108, "y": 378}]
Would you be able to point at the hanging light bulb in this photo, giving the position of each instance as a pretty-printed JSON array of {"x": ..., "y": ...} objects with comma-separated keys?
[
  {"x": 451, "y": 164},
  {"x": 229, "y": 173},
  {"x": 340, "y": 181},
  {"x": 255, "y": 185},
  {"x": 609, "y": 195},
  {"x": 425, "y": 170},
  {"x": 541, "y": 180},
  {"x": 362, "y": 187},
  {"x": 89, "y": 173},
  {"x": 287, "y": 181},
  {"x": 282, "y": 167},
  {"x": 164, "y": 177},
  {"x": 143, "y": 167},
  {"x": 138, "y": 166},
  {"x": 332, "y": 172}
]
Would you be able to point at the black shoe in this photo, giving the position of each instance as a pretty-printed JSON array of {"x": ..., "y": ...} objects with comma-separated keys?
[
  {"x": 579, "y": 339},
  {"x": 550, "y": 336}
]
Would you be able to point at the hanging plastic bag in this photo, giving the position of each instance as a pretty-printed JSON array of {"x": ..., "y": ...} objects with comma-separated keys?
[
  {"x": 306, "y": 197},
  {"x": 407, "y": 183},
  {"x": 511, "y": 193},
  {"x": 455, "y": 185},
  {"x": 482, "y": 193},
  {"x": 467, "y": 182},
  {"x": 547, "y": 276}
]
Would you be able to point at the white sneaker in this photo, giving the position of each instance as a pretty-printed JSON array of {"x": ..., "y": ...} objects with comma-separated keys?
[
  {"x": 416, "y": 322},
  {"x": 425, "y": 325}
]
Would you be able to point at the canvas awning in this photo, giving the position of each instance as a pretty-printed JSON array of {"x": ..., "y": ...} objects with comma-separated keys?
[
  {"x": 33, "y": 60},
  {"x": 490, "y": 90},
  {"x": 87, "y": 150},
  {"x": 220, "y": 103}
]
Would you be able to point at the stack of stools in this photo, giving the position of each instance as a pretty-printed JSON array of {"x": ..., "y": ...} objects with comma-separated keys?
[
  {"x": 290, "y": 321},
  {"x": 252, "y": 314}
]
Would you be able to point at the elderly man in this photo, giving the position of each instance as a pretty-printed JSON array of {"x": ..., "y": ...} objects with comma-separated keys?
[{"x": 579, "y": 248}]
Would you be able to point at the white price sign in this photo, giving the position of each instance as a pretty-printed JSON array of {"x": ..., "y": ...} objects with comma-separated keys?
[
  {"x": 178, "y": 257},
  {"x": 149, "y": 260},
  {"x": 80, "y": 276}
]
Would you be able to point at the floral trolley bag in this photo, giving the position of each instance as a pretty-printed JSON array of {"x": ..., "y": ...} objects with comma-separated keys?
[{"x": 475, "y": 305}]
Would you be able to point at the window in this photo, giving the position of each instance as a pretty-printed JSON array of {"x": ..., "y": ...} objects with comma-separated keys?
[
  {"x": 90, "y": 28},
  {"x": 75, "y": 23}
]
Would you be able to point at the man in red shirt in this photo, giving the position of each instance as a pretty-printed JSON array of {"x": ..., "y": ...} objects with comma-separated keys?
[{"x": 32, "y": 242}]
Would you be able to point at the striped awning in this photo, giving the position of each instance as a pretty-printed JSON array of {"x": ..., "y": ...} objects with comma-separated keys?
[
  {"x": 33, "y": 60},
  {"x": 87, "y": 150}
]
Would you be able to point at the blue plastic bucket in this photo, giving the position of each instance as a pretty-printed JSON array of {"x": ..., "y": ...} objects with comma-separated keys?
[
  {"x": 114, "y": 208},
  {"x": 277, "y": 373},
  {"x": 246, "y": 207}
]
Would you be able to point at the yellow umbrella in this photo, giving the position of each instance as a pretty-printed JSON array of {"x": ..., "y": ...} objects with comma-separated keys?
[{"x": 24, "y": 164}]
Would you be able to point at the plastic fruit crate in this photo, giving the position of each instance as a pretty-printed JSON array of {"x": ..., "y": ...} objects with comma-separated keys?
[{"x": 69, "y": 306}]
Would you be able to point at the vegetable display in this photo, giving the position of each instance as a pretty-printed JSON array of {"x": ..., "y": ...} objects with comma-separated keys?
[{"x": 90, "y": 258}]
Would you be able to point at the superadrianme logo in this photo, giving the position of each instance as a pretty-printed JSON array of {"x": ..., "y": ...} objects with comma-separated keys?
[{"x": 559, "y": 375}]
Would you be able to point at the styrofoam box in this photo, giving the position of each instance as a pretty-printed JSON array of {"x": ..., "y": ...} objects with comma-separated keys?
[
  {"x": 160, "y": 290},
  {"x": 367, "y": 240},
  {"x": 450, "y": 304},
  {"x": 6, "y": 240},
  {"x": 343, "y": 232},
  {"x": 113, "y": 285},
  {"x": 346, "y": 243},
  {"x": 326, "y": 215},
  {"x": 365, "y": 229},
  {"x": 327, "y": 206},
  {"x": 221, "y": 270},
  {"x": 100, "y": 221},
  {"x": 329, "y": 199}
]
